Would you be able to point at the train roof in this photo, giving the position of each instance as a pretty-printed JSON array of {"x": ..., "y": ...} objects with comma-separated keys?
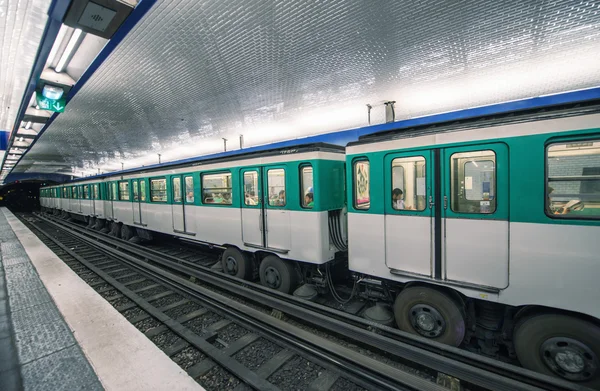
[
  {"x": 254, "y": 152},
  {"x": 530, "y": 115}
]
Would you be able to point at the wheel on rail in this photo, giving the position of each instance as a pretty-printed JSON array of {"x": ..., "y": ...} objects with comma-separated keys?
[
  {"x": 560, "y": 345},
  {"x": 430, "y": 313},
  {"x": 115, "y": 229},
  {"x": 278, "y": 274},
  {"x": 236, "y": 263},
  {"x": 127, "y": 232}
]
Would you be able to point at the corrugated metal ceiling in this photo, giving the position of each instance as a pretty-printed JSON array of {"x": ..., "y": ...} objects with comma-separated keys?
[{"x": 192, "y": 72}]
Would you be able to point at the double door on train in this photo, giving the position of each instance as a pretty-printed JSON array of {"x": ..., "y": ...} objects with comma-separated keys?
[
  {"x": 265, "y": 208},
  {"x": 446, "y": 214},
  {"x": 138, "y": 187},
  {"x": 182, "y": 193}
]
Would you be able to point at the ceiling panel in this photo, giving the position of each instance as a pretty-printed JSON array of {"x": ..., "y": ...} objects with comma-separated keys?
[
  {"x": 22, "y": 24},
  {"x": 193, "y": 72}
]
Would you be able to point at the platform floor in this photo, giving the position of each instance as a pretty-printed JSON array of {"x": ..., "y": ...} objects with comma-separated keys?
[{"x": 57, "y": 333}]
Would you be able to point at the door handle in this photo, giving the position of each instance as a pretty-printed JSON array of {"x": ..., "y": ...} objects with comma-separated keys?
[
  {"x": 431, "y": 203},
  {"x": 260, "y": 226},
  {"x": 445, "y": 202}
]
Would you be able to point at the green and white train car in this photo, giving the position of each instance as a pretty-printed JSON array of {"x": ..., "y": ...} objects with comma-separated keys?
[
  {"x": 504, "y": 213},
  {"x": 276, "y": 205}
]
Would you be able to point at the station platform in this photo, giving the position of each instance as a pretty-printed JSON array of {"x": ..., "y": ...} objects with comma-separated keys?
[{"x": 57, "y": 333}]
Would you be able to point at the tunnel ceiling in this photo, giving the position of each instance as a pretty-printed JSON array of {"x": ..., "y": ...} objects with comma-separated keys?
[{"x": 193, "y": 72}]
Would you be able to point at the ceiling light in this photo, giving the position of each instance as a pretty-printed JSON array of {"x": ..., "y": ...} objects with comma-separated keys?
[
  {"x": 62, "y": 63},
  {"x": 57, "y": 43},
  {"x": 52, "y": 92},
  {"x": 28, "y": 125}
]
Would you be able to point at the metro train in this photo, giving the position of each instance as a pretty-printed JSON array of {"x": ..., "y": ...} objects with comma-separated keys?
[{"x": 481, "y": 232}]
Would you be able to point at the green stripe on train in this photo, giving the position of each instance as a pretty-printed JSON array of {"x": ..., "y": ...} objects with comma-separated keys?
[{"x": 526, "y": 179}]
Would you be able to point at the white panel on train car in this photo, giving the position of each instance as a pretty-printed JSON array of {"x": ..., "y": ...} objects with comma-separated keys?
[
  {"x": 252, "y": 226},
  {"x": 277, "y": 229},
  {"x": 476, "y": 252},
  {"x": 408, "y": 244}
]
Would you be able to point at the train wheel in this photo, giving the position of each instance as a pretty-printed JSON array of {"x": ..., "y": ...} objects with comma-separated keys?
[
  {"x": 126, "y": 232},
  {"x": 430, "y": 313},
  {"x": 278, "y": 274},
  {"x": 235, "y": 263},
  {"x": 560, "y": 345}
]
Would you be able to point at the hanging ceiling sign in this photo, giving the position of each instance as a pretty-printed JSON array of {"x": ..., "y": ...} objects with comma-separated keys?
[{"x": 55, "y": 105}]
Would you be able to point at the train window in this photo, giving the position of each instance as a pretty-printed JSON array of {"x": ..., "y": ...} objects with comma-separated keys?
[
  {"x": 408, "y": 183},
  {"x": 276, "y": 185},
  {"x": 114, "y": 191},
  {"x": 573, "y": 176},
  {"x": 124, "y": 191},
  {"x": 306, "y": 186},
  {"x": 473, "y": 182},
  {"x": 136, "y": 191},
  {"x": 86, "y": 192},
  {"x": 362, "y": 196},
  {"x": 142, "y": 190},
  {"x": 158, "y": 190},
  {"x": 74, "y": 192},
  {"x": 216, "y": 188},
  {"x": 176, "y": 181},
  {"x": 251, "y": 188},
  {"x": 96, "y": 192},
  {"x": 189, "y": 189}
]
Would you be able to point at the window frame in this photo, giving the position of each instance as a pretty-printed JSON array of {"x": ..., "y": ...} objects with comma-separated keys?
[
  {"x": 119, "y": 190},
  {"x": 301, "y": 168},
  {"x": 202, "y": 188},
  {"x": 258, "y": 190},
  {"x": 355, "y": 205},
  {"x": 166, "y": 190},
  {"x": 173, "y": 195},
  {"x": 410, "y": 155},
  {"x": 185, "y": 189},
  {"x": 547, "y": 145},
  {"x": 450, "y": 161},
  {"x": 267, "y": 185}
]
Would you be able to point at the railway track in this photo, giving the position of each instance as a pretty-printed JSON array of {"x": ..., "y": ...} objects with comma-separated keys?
[{"x": 152, "y": 288}]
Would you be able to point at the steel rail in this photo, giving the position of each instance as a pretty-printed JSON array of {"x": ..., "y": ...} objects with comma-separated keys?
[
  {"x": 356, "y": 367},
  {"x": 470, "y": 367}
]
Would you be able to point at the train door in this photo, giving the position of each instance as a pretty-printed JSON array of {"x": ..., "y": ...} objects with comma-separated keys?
[
  {"x": 177, "y": 207},
  {"x": 137, "y": 201},
  {"x": 112, "y": 196},
  {"x": 91, "y": 199},
  {"x": 474, "y": 214},
  {"x": 265, "y": 214},
  {"x": 277, "y": 215},
  {"x": 409, "y": 224},
  {"x": 252, "y": 208}
]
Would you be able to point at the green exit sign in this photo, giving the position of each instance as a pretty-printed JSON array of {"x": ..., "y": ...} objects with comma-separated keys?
[{"x": 56, "y": 105}]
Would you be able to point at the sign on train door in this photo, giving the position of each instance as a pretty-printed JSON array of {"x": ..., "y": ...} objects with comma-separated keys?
[
  {"x": 265, "y": 214},
  {"x": 409, "y": 228},
  {"x": 137, "y": 200},
  {"x": 474, "y": 211},
  {"x": 177, "y": 207}
]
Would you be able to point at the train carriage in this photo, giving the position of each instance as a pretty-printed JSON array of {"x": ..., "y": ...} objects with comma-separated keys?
[
  {"x": 504, "y": 213},
  {"x": 268, "y": 208}
]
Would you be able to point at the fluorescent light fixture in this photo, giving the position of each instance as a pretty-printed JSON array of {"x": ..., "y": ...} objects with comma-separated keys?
[
  {"x": 62, "y": 63},
  {"x": 52, "y": 92},
  {"x": 57, "y": 43},
  {"x": 28, "y": 125}
]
